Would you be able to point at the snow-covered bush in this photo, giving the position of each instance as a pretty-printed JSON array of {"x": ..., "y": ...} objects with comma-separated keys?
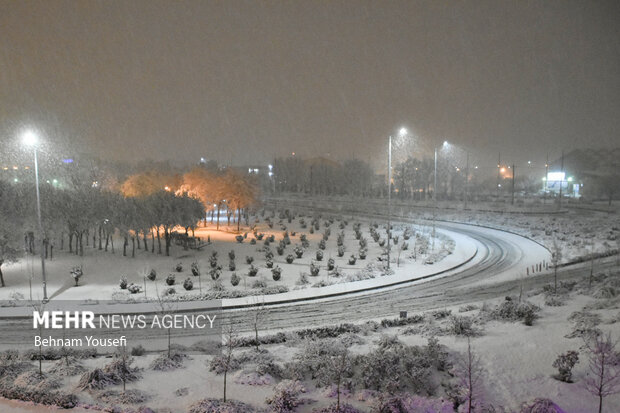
[
  {"x": 541, "y": 406},
  {"x": 134, "y": 288},
  {"x": 252, "y": 271},
  {"x": 170, "y": 279},
  {"x": 319, "y": 255},
  {"x": 152, "y": 275},
  {"x": 276, "y": 273},
  {"x": 565, "y": 363},
  {"x": 239, "y": 238},
  {"x": 299, "y": 252},
  {"x": 322, "y": 244},
  {"x": 234, "y": 279},
  {"x": 314, "y": 269},
  {"x": 352, "y": 260},
  {"x": 249, "y": 259},
  {"x": 179, "y": 267},
  {"x": 123, "y": 283},
  {"x": 220, "y": 406},
  {"x": 195, "y": 269},
  {"x": 269, "y": 263},
  {"x": 188, "y": 284},
  {"x": 330, "y": 264},
  {"x": 341, "y": 251},
  {"x": 290, "y": 258},
  {"x": 77, "y": 273},
  {"x": 215, "y": 273},
  {"x": 285, "y": 398}
]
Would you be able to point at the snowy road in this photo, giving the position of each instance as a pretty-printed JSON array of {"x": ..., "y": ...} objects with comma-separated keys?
[{"x": 497, "y": 270}]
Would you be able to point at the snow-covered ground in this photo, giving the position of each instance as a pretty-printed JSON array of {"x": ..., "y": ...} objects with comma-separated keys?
[{"x": 103, "y": 270}]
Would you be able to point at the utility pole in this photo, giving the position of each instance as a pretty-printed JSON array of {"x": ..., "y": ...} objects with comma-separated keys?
[
  {"x": 546, "y": 177},
  {"x": 499, "y": 163},
  {"x": 389, "y": 199},
  {"x": 514, "y": 172},
  {"x": 467, "y": 180},
  {"x": 434, "y": 201},
  {"x": 561, "y": 182}
]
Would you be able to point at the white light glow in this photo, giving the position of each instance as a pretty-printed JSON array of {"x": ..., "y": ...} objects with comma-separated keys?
[
  {"x": 556, "y": 176},
  {"x": 30, "y": 138},
  {"x": 402, "y": 132}
]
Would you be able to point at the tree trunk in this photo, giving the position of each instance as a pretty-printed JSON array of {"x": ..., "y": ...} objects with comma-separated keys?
[
  {"x": 70, "y": 242},
  {"x": 107, "y": 241},
  {"x": 100, "y": 237},
  {"x": 133, "y": 247},
  {"x": 217, "y": 225},
  {"x": 158, "y": 242},
  {"x": 146, "y": 247},
  {"x": 167, "y": 239},
  {"x": 51, "y": 252},
  {"x": 82, "y": 244},
  {"x": 1, "y": 275},
  {"x": 125, "y": 243},
  {"x": 152, "y": 242},
  {"x": 62, "y": 241},
  {"x": 238, "y": 218}
]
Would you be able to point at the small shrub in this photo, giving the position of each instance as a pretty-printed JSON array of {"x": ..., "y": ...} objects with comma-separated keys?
[
  {"x": 322, "y": 244},
  {"x": 231, "y": 265},
  {"x": 188, "y": 284},
  {"x": 290, "y": 258},
  {"x": 299, "y": 252},
  {"x": 133, "y": 288},
  {"x": 565, "y": 363},
  {"x": 319, "y": 255},
  {"x": 123, "y": 283},
  {"x": 252, "y": 271},
  {"x": 341, "y": 251},
  {"x": 179, "y": 267},
  {"x": 239, "y": 238},
  {"x": 314, "y": 269},
  {"x": 231, "y": 254},
  {"x": 138, "y": 350},
  {"x": 170, "y": 279},
  {"x": 249, "y": 259},
  {"x": 286, "y": 396},
  {"x": 352, "y": 260},
  {"x": 195, "y": 269},
  {"x": 276, "y": 273},
  {"x": 330, "y": 264},
  {"x": 234, "y": 279},
  {"x": 152, "y": 275}
]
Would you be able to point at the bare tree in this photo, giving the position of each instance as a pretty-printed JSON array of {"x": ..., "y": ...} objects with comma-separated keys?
[
  {"x": 340, "y": 366},
  {"x": 165, "y": 307},
  {"x": 556, "y": 257},
  {"x": 259, "y": 313},
  {"x": 604, "y": 365},
  {"x": 229, "y": 346},
  {"x": 469, "y": 372}
]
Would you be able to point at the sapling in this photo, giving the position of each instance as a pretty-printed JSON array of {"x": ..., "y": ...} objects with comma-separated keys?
[{"x": 604, "y": 366}]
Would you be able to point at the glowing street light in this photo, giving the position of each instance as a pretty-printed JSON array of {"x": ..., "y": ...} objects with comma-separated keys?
[
  {"x": 401, "y": 133},
  {"x": 30, "y": 139}
]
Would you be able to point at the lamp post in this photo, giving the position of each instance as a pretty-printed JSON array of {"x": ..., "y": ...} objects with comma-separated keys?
[
  {"x": 30, "y": 139},
  {"x": 402, "y": 132},
  {"x": 445, "y": 143}
]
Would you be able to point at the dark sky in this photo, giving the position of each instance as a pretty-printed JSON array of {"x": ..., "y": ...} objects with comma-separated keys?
[{"x": 243, "y": 81}]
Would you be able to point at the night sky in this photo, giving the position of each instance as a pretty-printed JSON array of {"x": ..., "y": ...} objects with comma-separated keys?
[{"x": 241, "y": 82}]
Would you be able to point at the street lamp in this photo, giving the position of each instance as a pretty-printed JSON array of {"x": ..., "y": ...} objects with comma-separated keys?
[
  {"x": 445, "y": 145},
  {"x": 401, "y": 133},
  {"x": 30, "y": 138}
]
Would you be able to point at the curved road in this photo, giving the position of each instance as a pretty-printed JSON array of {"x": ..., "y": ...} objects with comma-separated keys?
[{"x": 498, "y": 252}]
